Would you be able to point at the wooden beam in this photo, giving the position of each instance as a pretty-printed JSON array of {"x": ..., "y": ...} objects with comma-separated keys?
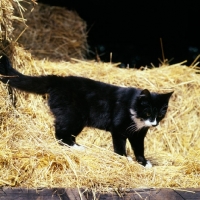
[{"x": 76, "y": 194}]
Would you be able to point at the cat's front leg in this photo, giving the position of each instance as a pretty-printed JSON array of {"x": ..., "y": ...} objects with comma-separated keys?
[{"x": 136, "y": 140}]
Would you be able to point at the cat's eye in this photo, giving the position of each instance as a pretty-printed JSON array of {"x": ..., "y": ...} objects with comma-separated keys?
[{"x": 148, "y": 114}]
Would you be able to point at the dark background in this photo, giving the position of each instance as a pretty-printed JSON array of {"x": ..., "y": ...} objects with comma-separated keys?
[{"x": 131, "y": 30}]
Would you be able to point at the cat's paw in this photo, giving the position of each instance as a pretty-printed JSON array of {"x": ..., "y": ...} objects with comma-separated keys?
[
  {"x": 78, "y": 147},
  {"x": 148, "y": 165},
  {"x": 129, "y": 159}
]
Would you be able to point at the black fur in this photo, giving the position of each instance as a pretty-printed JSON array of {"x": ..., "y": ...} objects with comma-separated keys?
[{"x": 77, "y": 102}]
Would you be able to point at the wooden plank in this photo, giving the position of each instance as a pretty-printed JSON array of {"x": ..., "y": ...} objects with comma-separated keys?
[
  {"x": 43, "y": 194},
  {"x": 139, "y": 194},
  {"x": 76, "y": 194}
]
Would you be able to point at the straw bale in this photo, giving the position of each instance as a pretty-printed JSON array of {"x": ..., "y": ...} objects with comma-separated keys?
[
  {"x": 31, "y": 157},
  {"x": 52, "y": 32},
  {"x": 6, "y": 18},
  {"x": 8, "y": 40}
]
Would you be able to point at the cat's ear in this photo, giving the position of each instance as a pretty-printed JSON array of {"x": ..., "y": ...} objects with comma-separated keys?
[
  {"x": 144, "y": 98},
  {"x": 168, "y": 95},
  {"x": 145, "y": 94}
]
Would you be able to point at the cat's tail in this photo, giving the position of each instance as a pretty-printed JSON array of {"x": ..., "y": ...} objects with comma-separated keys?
[{"x": 12, "y": 77}]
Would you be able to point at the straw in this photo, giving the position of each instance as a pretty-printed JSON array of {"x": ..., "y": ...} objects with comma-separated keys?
[
  {"x": 29, "y": 149},
  {"x": 52, "y": 32},
  {"x": 31, "y": 157}
]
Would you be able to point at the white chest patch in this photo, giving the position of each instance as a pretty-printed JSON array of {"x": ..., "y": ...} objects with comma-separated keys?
[{"x": 141, "y": 123}]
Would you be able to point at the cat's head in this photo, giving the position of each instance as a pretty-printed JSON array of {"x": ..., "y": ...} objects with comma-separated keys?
[{"x": 149, "y": 108}]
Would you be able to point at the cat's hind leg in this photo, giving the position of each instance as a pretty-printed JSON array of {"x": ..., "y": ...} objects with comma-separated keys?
[
  {"x": 66, "y": 136},
  {"x": 67, "y": 127}
]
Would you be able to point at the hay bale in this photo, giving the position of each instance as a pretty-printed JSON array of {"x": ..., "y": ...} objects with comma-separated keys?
[
  {"x": 8, "y": 44},
  {"x": 52, "y": 32},
  {"x": 6, "y": 18},
  {"x": 47, "y": 32},
  {"x": 31, "y": 157}
]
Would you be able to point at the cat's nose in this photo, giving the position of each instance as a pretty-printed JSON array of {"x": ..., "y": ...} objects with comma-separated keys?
[{"x": 154, "y": 123}]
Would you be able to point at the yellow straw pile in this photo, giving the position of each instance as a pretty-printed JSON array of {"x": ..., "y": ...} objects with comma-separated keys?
[
  {"x": 52, "y": 32},
  {"x": 31, "y": 157}
]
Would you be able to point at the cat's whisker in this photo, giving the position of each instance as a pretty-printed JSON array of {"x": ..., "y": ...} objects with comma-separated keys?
[{"x": 132, "y": 128}]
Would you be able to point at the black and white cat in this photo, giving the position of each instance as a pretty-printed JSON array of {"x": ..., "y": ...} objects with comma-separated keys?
[{"x": 77, "y": 102}]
